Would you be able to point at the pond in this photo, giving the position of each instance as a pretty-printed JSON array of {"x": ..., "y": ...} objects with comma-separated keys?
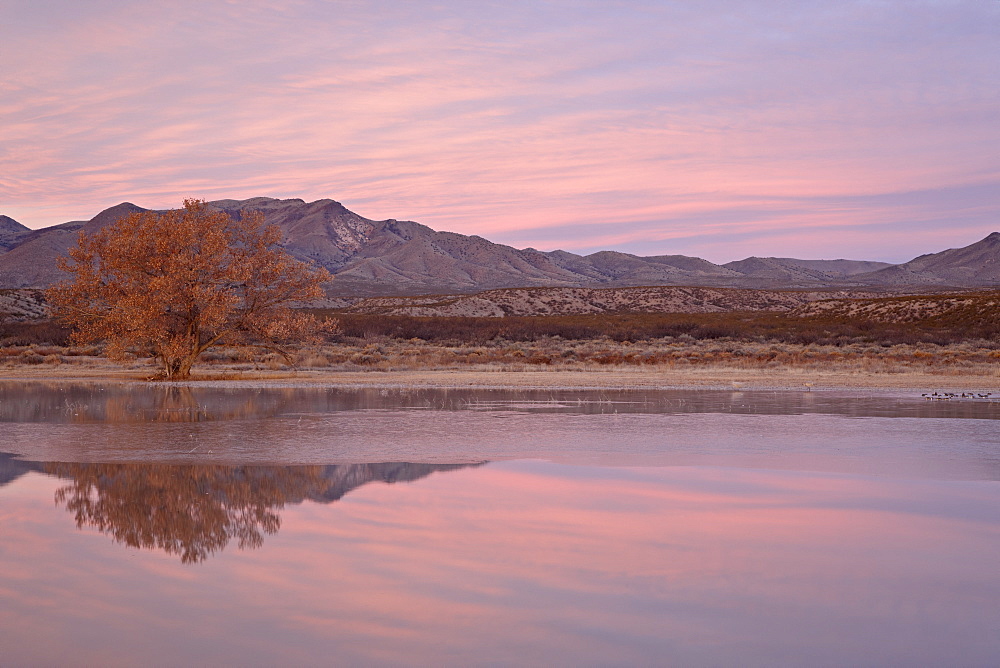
[{"x": 173, "y": 525}]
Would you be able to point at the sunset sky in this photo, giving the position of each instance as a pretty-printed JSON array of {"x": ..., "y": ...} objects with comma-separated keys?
[{"x": 861, "y": 129}]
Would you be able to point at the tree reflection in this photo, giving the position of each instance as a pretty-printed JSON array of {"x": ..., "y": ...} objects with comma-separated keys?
[
  {"x": 191, "y": 511},
  {"x": 195, "y": 511}
]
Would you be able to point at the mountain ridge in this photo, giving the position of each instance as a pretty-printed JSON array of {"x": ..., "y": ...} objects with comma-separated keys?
[
  {"x": 369, "y": 257},
  {"x": 11, "y": 232}
]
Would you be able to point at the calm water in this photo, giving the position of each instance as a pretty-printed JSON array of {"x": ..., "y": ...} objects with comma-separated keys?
[{"x": 175, "y": 526}]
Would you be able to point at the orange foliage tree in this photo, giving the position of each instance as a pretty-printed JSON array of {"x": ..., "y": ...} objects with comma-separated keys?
[{"x": 175, "y": 284}]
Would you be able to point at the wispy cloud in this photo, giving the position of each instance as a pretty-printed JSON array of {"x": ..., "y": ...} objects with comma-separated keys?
[{"x": 646, "y": 126}]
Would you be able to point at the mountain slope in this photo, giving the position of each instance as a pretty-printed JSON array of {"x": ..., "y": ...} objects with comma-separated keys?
[
  {"x": 975, "y": 265},
  {"x": 32, "y": 263},
  {"x": 842, "y": 268},
  {"x": 773, "y": 270},
  {"x": 371, "y": 257},
  {"x": 11, "y": 233},
  {"x": 388, "y": 256},
  {"x": 791, "y": 270}
]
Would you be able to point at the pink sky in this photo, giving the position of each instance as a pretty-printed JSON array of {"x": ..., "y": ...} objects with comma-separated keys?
[{"x": 719, "y": 129}]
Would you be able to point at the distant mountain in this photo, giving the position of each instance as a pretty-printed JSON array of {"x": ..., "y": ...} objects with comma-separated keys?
[
  {"x": 620, "y": 269},
  {"x": 791, "y": 270},
  {"x": 11, "y": 233},
  {"x": 32, "y": 262},
  {"x": 386, "y": 257},
  {"x": 842, "y": 268},
  {"x": 977, "y": 264},
  {"x": 773, "y": 270},
  {"x": 389, "y": 256}
]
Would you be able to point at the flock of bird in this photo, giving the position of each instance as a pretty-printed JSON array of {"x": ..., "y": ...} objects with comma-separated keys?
[{"x": 945, "y": 396}]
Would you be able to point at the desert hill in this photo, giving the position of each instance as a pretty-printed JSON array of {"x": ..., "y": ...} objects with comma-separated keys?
[
  {"x": 960, "y": 310},
  {"x": 574, "y": 301},
  {"x": 386, "y": 257}
]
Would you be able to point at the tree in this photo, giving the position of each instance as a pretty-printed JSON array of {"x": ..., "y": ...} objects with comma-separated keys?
[{"x": 177, "y": 283}]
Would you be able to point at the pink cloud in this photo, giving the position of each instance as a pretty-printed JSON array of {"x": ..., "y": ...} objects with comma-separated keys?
[{"x": 511, "y": 125}]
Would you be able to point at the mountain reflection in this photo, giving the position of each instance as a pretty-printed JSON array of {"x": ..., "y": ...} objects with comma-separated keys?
[{"x": 194, "y": 511}]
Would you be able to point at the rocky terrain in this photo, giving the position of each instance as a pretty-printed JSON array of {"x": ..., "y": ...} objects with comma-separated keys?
[
  {"x": 24, "y": 304},
  {"x": 392, "y": 257},
  {"x": 29, "y": 304},
  {"x": 571, "y": 301},
  {"x": 958, "y": 308}
]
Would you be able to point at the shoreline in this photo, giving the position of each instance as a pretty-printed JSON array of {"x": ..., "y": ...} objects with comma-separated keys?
[{"x": 638, "y": 378}]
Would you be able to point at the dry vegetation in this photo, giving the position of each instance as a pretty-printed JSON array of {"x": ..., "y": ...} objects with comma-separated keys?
[
  {"x": 964, "y": 310},
  {"x": 945, "y": 343},
  {"x": 973, "y": 358},
  {"x": 576, "y": 301}
]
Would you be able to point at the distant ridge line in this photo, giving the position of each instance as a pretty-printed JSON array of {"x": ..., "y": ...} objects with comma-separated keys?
[{"x": 369, "y": 257}]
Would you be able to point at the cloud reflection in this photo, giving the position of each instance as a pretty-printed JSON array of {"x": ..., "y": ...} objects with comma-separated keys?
[{"x": 521, "y": 562}]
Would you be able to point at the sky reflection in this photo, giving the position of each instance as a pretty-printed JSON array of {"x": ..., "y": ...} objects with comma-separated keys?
[{"x": 531, "y": 561}]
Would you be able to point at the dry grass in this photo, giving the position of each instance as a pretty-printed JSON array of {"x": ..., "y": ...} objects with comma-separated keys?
[
  {"x": 822, "y": 328},
  {"x": 680, "y": 353},
  {"x": 972, "y": 358},
  {"x": 955, "y": 336}
]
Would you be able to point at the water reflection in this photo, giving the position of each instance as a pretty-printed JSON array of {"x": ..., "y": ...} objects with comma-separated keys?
[
  {"x": 123, "y": 403},
  {"x": 119, "y": 403},
  {"x": 194, "y": 511},
  {"x": 895, "y": 434},
  {"x": 532, "y": 563}
]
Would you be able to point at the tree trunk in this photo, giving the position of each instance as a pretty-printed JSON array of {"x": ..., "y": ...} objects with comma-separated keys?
[{"x": 178, "y": 368}]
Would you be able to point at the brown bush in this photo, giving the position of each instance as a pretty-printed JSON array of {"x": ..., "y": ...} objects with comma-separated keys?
[
  {"x": 633, "y": 327},
  {"x": 35, "y": 332}
]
